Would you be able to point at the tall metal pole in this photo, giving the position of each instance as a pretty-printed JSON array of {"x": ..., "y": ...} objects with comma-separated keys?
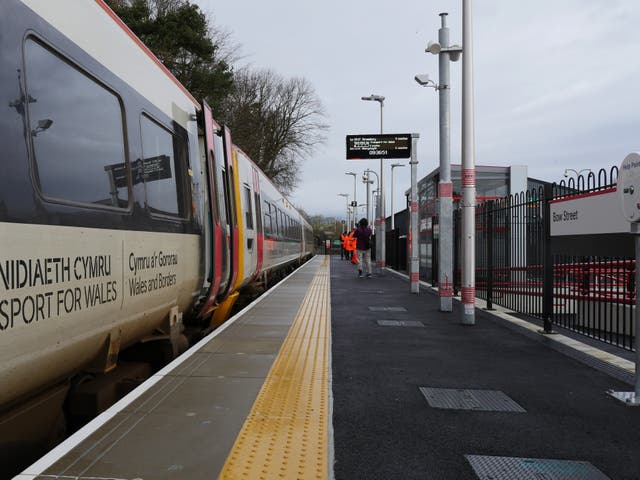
[
  {"x": 368, "y": 199},
  {"x": 347, "y": 216},
  {"x": 380, "y": 219},
  {"x": 468, "y": 172},
  {"x": 414, "y": 267},
  {"x": 393, "y": 223},
  {"x": 355, "y": 202},
  {"x": 382, "y": 263},
  {"x": 374, "y": 199},
  {"x": 445, "y": 187}
]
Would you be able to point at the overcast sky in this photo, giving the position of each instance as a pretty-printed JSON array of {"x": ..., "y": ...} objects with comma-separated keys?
[{"x": 557, "y": 83}]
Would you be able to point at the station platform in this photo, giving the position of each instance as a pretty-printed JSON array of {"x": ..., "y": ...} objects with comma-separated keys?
[{"x": 333, "y": 376}]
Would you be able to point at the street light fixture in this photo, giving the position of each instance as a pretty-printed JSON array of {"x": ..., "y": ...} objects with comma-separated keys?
[
  {"x": 380, "y": 238},
  {"x": 394, "y": 165}
]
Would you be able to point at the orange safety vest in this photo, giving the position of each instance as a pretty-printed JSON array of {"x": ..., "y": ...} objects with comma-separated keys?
[{"x": 350, "y": 243}]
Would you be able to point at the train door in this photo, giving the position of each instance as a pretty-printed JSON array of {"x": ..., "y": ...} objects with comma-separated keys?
[
  {"x": 213, "y": 245},
  {"x": 230, "y": 194},
  {"x": 259, "y": 216},
  {"x": 249, "y": 223},
  {"x": 224, "y": 209}
]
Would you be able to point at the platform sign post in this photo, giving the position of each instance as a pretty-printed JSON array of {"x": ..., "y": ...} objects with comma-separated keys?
[
  {"x": 414, "y": 267},
  {"x": 629, "y": 196}
]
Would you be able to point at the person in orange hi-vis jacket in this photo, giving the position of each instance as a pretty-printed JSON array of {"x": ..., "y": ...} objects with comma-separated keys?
[
  {"x": 344, "y": 254},
  {"x": 351, "y": 240}
]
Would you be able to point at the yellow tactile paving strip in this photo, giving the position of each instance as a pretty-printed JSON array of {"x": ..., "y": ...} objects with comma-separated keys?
[{"x": 286, "y": 435}]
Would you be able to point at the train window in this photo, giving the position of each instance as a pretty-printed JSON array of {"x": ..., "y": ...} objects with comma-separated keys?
[
  {"x": 248, "y": 212},
  {"x": 76, "y": 130},
  {"x": 276, "y": 226},
  {"x": 266, "y": 208},
  {"x": 283, "y": 225},
  {"x": 162, "y": 168}
]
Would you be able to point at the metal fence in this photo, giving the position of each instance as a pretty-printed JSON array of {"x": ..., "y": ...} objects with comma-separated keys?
[{"x": 521, "y": 267}]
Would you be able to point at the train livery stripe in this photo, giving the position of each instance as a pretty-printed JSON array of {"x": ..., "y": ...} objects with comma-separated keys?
[{"x": 286, "y": 434}]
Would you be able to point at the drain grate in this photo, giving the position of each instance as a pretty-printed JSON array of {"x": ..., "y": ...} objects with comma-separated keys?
[
  {"x": 461, "y": 399},
  {"x": 400, "y": 323},
  {"x": 387, "y": 309},
  {"x": 508, "y": 468}
]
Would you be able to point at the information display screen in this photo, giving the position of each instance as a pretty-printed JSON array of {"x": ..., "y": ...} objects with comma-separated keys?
[{"x": 362, "y": 147}]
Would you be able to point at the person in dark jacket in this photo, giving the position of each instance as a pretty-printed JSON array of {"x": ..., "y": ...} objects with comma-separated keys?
[{"x": 363, "y": 246}]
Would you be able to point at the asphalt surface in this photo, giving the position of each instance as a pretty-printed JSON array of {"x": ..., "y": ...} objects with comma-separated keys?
[{"x": 384, "y": 427}]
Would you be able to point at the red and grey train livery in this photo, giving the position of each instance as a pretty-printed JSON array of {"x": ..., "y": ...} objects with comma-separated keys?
[{"x": 126, "y": 211}]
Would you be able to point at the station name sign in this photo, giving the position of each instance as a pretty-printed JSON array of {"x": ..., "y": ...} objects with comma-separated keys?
[{"x": 363, "y": 147}]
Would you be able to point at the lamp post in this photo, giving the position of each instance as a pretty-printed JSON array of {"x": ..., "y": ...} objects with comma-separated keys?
[
  {"x": 445, "y": 54},
  {"x": 347, "y": 217},
  {"x": 393, "y": 223},
  {"x": 375, "y": 211},
  {"x": 354, "y": 203},
  {"x": 365, "y": 179},
  {"x": 380, "y": 237}
]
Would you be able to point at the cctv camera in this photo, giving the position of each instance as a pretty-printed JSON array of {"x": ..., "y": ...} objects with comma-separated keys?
[{"x": 422, "y": 79}]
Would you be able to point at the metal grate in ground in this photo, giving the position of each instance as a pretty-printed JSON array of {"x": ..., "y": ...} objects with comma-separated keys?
[
  {"x": 387, "y": 309},
  {"x": 509, "y": 468},
  {"x": 464, "y": 399},
  {"x": 400, "y": 323}
]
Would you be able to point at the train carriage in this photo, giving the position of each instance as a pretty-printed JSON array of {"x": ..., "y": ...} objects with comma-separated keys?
[{"x": 126, "y": 212}]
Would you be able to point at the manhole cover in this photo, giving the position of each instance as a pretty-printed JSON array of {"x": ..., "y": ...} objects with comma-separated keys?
[
  {"x": 462, "y": 399},
  {"x": 508, "y": 468},
  {"x": 400, "y": 323}
]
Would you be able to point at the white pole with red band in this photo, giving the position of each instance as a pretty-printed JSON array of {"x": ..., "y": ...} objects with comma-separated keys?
[
  {"x": 468, "y": 172},
  {"x": 414, "y": 267}
]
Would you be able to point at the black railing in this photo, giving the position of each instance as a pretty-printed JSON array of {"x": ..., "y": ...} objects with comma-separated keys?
[{"x": 520, "y": 267}]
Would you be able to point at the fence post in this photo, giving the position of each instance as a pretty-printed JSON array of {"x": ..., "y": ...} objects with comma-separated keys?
[
  {"x": 489, "y": 236},
  {"x": 547, "y": 267}
]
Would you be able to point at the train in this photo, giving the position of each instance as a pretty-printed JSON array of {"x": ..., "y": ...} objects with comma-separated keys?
[{"x": 128, "y": 215}]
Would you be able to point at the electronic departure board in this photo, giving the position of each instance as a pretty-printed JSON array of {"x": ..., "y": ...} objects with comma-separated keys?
[{"x": 362, "y": 147}]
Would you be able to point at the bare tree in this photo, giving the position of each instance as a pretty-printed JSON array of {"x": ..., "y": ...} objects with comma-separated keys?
[{"x": 277, "y": 122}]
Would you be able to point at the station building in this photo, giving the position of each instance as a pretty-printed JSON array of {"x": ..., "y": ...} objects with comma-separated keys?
[{"x": 492, "y": 182}]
